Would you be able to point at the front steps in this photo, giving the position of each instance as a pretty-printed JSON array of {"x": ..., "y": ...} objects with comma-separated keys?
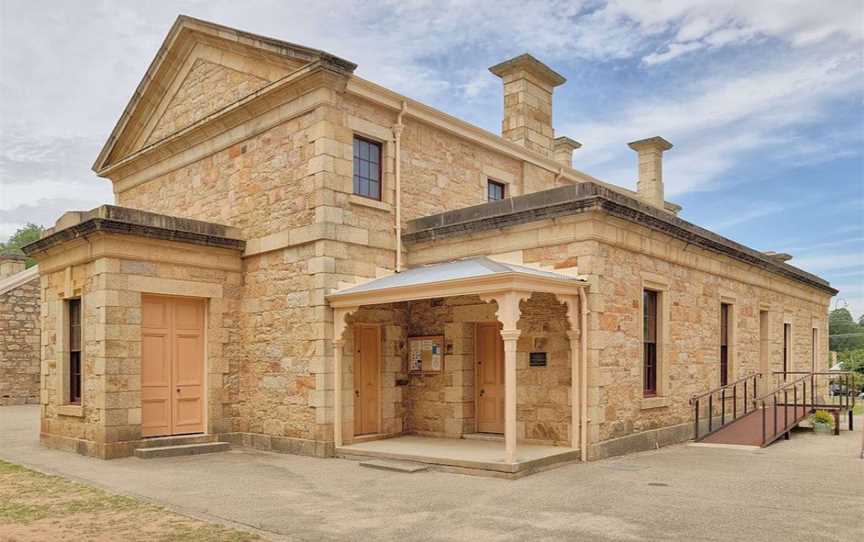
[
  {"x": 179, "y": 446},
  {"x": 394, "y": 465}
]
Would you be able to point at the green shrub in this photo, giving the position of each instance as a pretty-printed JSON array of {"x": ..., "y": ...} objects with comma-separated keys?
[{"x": 823, "y": 416}]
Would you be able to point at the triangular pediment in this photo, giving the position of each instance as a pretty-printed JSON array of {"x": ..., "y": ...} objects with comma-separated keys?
[{"x": 200, "y": 69}]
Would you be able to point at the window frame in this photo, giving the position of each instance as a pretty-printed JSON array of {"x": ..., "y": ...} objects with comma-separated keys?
[
  {"x": 651, "y": 380},
  {"x": 355, "y": 187},
  {"x": 725, "y": 341},
  {"x": 787, "y": 348},
  {"x": 492, "y": 182},
  {"x": 74, "y": 355}
]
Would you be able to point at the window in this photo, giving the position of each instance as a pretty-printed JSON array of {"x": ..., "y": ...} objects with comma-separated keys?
[
  {"x": 763, "y": 343},
  {"x": 724, "y": 343},
  {"x": 73, "y": 307},
  {"x": 787, "y": 347},
  {"x": 649, "y": 342},
  {"x": 814, "y": 350},
  {"x": 367, "y": 168},
  {"x": 495, "y": 190}
]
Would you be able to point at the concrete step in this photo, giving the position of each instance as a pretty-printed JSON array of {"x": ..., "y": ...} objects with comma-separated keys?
[
  {"x": 394, "y": 465},
  {"x": 491, "y": 437},
  {"x": 182, "y": 449},
  {"x": 178, "y": 440}
]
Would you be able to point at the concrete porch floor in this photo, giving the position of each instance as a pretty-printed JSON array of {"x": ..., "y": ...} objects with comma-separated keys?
[{"x": 470, "y": 455}]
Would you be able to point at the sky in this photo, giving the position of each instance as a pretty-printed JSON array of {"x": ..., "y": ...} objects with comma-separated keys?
[{"x": 763, "y": 100}]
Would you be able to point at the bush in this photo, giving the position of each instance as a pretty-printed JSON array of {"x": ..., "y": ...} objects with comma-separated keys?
[{"x": 823, "y": 416}]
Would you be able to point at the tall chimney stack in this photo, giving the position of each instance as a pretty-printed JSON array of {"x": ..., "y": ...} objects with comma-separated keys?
[
  {"x": 528, "y": 85},
  {"x": 650, "y": 185},
  {"x": 11, "y": 263},
  {"x": 563, "y": 150}
]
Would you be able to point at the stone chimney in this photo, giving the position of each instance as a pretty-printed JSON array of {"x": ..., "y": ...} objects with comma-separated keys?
[
  {"x": 650, "y": 185},
  {"x": 11, "y": 263},
  {"x": 781, "y": 257},
  {"x": 528, "y": 85},
  {"x": 562, "y": 152}
]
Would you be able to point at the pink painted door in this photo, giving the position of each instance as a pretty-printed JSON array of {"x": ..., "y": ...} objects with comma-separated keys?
[
  {"x": 172, "y": 366},
  {"x": 490, "y": 378}
]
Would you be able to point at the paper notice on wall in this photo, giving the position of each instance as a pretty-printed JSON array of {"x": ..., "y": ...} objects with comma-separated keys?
[
  {"x": 415, "y": 357},
  {"x": 435, "y": 360}
]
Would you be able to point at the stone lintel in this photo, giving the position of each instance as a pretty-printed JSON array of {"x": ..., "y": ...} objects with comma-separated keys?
[
  {"x": 564, "y": 142},
  {"x": 526, "y": 62},
  {"x": 587, "y": 196},
  {"x": 125, "y": 221},
  {"x": 650, "y": 144}
]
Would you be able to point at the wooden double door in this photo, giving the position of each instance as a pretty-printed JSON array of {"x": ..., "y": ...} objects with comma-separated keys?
[
  {"x": 489, "y": 378},
  {"x": 172, "y": 366}
]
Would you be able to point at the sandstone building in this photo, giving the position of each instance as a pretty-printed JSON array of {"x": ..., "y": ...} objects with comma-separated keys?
[
  {"x": 301, "y": 260},
  {"x": 19, "y": 331}
]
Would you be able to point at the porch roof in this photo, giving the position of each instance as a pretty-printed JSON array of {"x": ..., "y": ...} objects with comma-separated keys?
[{"x": 480, "y": 275}]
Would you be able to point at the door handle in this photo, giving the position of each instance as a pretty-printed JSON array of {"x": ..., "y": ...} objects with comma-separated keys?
[
  {"x": 482, "y": 392},
  {"x": 178, "y": 390},
  {"x": 356, "y": 393}
]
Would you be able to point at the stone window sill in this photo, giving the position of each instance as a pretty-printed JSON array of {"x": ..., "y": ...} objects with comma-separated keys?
[
  {"x": 654, "y": 402},
  {"x": 354, "y": 199},
  {"x": 71, "y": 410}
]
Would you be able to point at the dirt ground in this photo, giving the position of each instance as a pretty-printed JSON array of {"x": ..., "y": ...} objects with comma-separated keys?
[{"x": 37, "y": 507}]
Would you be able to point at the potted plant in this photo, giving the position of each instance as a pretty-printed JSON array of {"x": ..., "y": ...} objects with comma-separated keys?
[{"x": 823, "y": 421}]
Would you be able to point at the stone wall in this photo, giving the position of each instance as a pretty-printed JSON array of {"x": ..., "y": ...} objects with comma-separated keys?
[
  {"x": 19, "y": 344},
  {"x": 442, "y": 404},
  {"x": 619, "y": 259},
  {"x": 110, "y": 276}
]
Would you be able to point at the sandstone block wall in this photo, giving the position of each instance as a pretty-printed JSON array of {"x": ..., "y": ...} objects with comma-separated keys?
[
  {"x": 19, "y": 344},
  {"x": 442, "y": 404},
  {"x": 108, "y": 421},
  {"x": 620, "y": 259}
]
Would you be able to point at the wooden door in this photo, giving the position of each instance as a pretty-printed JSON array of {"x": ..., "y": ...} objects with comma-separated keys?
[
  {"x": 367, "y": 354},
  {"x": 172, "y": 366},
  {"x": 490, "y": 378}
]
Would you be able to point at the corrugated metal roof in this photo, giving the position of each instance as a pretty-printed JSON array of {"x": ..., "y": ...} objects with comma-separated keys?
[{"x": 455, "y": 270}]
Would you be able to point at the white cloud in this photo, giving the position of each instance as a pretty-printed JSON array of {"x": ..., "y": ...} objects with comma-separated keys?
[{"x": 830, "y": 262}]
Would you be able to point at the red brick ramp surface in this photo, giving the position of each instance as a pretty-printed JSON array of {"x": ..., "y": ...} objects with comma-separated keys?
[{"x": 747, "y": 430}]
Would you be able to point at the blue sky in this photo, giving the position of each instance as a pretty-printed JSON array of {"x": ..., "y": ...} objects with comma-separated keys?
[{"x": 764, "y": 100}]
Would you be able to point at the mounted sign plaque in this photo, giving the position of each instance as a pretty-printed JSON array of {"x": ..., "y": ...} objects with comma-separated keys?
[
  {"x": 537, "y": 359},
  {"x": 426, "y": 354}
]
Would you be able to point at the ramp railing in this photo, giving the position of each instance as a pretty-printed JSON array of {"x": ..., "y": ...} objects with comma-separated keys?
[{"x": 721, "y": 405}]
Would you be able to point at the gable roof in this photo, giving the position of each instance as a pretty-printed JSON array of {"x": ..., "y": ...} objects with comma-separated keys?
[{"x": 185, "y": 33}]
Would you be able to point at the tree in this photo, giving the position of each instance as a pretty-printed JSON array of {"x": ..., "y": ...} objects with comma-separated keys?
[
  {"x": 853, "y": 360},
  {"x": 845, "y": 333},
  {"x": 23, "y": 236}
]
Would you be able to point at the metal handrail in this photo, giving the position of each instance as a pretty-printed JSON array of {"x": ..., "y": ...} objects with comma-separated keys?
[
  {"x": 781, "y": 388},
  {"x": 722, "y": 390},
  {"x": 695, "y": 398}
]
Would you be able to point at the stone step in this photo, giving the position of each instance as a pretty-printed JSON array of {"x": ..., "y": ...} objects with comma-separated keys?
[
  {"x": 490, "y": 437},
  {"x": 182, "y": 449},
  {"x": 394, "y": 465},
  {"x": 177, "y": 440}
]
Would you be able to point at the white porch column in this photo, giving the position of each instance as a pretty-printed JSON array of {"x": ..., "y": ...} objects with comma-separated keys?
[
  {"x": 575, "y": 337},
  {"x": 510, "y": 336},
  {"x": 508, "y": 314},
  {"x": 339, "y": 316}
]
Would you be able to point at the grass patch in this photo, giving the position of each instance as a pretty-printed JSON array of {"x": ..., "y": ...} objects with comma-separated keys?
[{"x": 37, "y": 507}]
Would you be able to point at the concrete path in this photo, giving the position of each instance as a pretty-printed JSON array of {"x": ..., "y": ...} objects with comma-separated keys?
[{"x": 809, "y": 488}]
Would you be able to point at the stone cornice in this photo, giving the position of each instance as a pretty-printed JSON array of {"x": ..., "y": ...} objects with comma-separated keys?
[
  {"x": 269, "y": 97},
  {"x": 569, "y": 200},
  {"x": 119, "y": 220},
  {"x": 184, "y": 34}
]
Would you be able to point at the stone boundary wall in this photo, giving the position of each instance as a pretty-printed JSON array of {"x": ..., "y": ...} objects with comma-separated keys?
[{"x": 19, "y": 344}]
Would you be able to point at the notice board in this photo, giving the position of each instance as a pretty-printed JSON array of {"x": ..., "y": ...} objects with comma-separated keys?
[{"x": 426, "y": 354}]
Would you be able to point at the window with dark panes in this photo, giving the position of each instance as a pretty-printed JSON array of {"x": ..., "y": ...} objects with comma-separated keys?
[
  {"x": 494, "y": 190},
  {"x": 367, "y": 168},
  {"x": 787, "y": 347},
  {"x": 724, "y": 344},
  {"x": 649, "y": 342},
  {"x": 74, "y": 317}
]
